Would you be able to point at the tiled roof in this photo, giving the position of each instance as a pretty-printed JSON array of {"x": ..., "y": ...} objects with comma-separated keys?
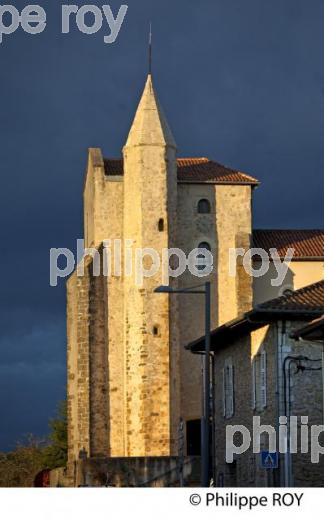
[
  {"x": 307, "y": 299},
  {"x": 307, "y": 243},
  {"x": 194, "y": 170},
  {"x": 306, "y": 303},
  {"x": 204, "y": 170}
]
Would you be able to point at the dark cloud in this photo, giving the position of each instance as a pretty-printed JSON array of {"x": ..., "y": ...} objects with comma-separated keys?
[{"x": 240, "y": 81}]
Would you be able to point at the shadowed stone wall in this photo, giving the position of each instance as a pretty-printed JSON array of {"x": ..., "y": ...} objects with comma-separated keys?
[{"x": 306, "y": 400}]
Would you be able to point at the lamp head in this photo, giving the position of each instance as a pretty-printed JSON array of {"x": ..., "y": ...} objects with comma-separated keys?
[{"x": 164, "y": 289}]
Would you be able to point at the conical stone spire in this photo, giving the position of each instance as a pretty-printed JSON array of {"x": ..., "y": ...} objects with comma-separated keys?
[
  {"x": 150, "y": 126},
  {"x": 151, "y": 361}
]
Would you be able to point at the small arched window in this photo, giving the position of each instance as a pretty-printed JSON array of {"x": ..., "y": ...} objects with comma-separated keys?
[
  {"x": 156, "y": 330},
  {"x": 161, "y": 225},
  {"x": 203, "y": 246},
  {"x": 204, "y": 206}
]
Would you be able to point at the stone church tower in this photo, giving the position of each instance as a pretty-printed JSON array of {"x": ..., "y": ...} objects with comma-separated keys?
[
  {"x": 129, "y": 378},
  {"x": 150, "y": 198}
]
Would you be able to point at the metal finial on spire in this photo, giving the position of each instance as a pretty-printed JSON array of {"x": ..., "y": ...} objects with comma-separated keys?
[{"x": 150, "y": 49}]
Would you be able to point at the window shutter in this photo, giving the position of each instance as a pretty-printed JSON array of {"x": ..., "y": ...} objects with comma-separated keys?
[
  {"x": 231, "y": 390},
  {"x": 224, "y": 392},
  {"x": 228, "y": 389},
  {"x": 253, "y": 384},
  {"x": 263, "y": 379}
]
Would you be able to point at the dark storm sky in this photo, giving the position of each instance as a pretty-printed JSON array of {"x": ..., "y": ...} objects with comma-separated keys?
[{"x": 241, "y": 81}]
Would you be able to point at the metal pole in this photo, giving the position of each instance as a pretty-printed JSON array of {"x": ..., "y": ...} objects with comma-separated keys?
[
  {"x": 206, "y": 392},
  {"x": 213, "y": 439},
  {"x": 181, "y": 452},
  {"x": 323, "y": 379}
]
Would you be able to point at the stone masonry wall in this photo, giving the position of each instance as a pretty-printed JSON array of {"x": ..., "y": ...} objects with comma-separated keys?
[
  {"x": 72, "y": 367},
  {"x": 78, "y": 364},
  {"x": 227, "y": 226},
  {"x": 233, "y": 228},
  {"x": 306, "y": 399},
  {"x": 193, "y": 229},
  {"x": 103, "y": 221},
  {"x": 239, "y": 472},
  {"x": 148, "y": 371},
  {"x": 98, "y": 339}
]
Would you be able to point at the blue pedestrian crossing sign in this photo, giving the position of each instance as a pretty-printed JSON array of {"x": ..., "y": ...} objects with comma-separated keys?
[{"x": 269, "y": 460}]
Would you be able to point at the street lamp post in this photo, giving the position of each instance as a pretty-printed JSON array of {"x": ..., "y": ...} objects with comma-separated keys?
[{"x": 206, "y": 373}]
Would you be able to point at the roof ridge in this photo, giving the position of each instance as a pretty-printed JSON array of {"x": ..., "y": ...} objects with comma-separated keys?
[
  {"x": 195, "y": 157},
  {"x": 292, "y": 295},
  {"x": 197, "y": 170}
]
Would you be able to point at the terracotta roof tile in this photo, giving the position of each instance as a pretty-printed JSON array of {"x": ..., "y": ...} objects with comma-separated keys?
[
  {"x": 205, "y": 170},
  {"x": 194, "y": 170},
  {"x": 307, "y": 243},
  {"x": 307, "y": 299}
]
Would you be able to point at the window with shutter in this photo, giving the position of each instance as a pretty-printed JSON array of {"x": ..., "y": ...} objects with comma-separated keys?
[
  {"x": 228, "y": 389},
  {"x": 231, "y": 391},
  {"x": 263, "y": 379},
  {"x": 224, "y": 392},
  {"x": 227, "y": 393}
]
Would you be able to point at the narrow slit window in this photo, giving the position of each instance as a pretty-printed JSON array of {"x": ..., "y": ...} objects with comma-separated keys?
[{"x": 161, "y": 225}]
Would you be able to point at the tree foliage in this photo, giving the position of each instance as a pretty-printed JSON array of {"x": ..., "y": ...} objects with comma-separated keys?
[
  {"x": 55, "y": 454},
  {"x": 19, "y": 467}
]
